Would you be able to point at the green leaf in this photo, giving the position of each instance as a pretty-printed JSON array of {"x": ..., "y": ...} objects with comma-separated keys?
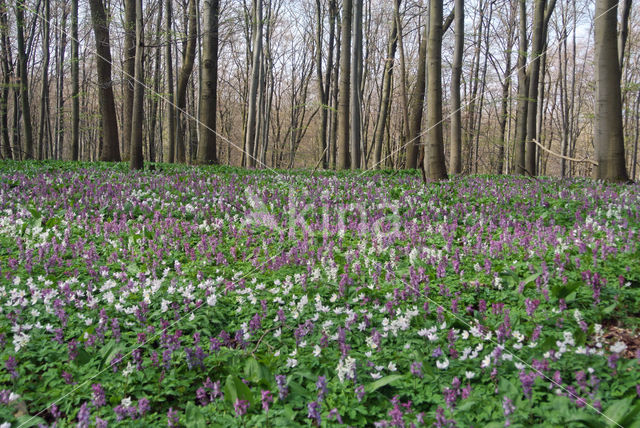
[
  {"x": 631, "y": 417},
  {"x": 195, "y": 417},
  {"x": 617, "y": 411},
  {"x": 235, "y": 389},
  {"x": 27, "y": 421},
  {"x": 83, "y": 357},
  {"x": 373, "y": 386}
]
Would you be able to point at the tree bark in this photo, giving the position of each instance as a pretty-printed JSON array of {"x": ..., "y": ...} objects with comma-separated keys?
[
  {"x": 156, "y": 89},
  {"x": 110, "y": 148},
  {"x": 416, "y": 106},
  {"x": 252, "y": 112},
  {"x": 356, "y": 81},
  {"x": 207, "y": 153},
  {"x": 343, "y": 91},
  {"x": 385, "y": 99},
  {"x": 523, "y": 88},
  {"x": 624, "y": 31},
  {"x": 455, "y": 159},
  {"x": 128, "y": 73},
  {"x": 136, "y": 160},
  {"x": 435, "y": 167},
  {"x": 24, "y": 82},
  {"x": 7, "y": 153},
  {"x": 170, "y": 147},
  {"x": 608, "y": 134},
  {"x": 43, "y": 128},
  {"x": 183, "y": 80},
  {"x": 75, "y": 83}
]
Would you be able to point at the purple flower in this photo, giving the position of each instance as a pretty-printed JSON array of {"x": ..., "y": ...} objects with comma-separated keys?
[
  {"x": 360, "y": 392},
  {"x": 527, "y": 380},
  {"x": 283, "y": 391},
  {"x": 99, "y": 399},
  {"x": 531, "y": 305},
  {"x": 101, "y": 423},
  {"x": 240, "y": 407},
  {"x": 321, "y": 385},
  {"x": 68, "y": 378},
  {"x": 173, "y": 419},
  {"x": 333, "y": 414},
  {"x": 416, "y": 369},
  {"x": 442, "y": 421},
  {"x": 84, "y": 416},
  {"x": 11, "y": 366},
  {"x": 314, "y": 412},
  {"x": 267, "y": 399},
  {"x": 201, "y": 395},
  {"x": 143, "y": 406},
  {"x": 396, "y": 416}
]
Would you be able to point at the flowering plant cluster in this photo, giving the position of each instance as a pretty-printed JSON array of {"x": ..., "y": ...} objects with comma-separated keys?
[{"x": 216, "y": 296}]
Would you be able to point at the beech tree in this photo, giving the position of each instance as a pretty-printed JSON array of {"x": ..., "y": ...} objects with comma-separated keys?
[
  {"x": 110, "y": 148},
  {"x": 207, "y": 153},
  {"x": 608, "y": 136}
]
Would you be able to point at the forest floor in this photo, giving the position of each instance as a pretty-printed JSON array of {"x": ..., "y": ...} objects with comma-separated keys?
[{"x": 200, "y": 296}]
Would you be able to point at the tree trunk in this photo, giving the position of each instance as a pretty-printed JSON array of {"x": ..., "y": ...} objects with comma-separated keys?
[
  {"x": 170, "y": 147},
  {"x": 24, "y": 82},
  {"x": 252, "y": 112},
  {"x": 156, "y": 89},
  {"x": 43, "y": 141},
  {"x": 624, "y": 31},
  {"x": 5, "y": 60},
  {"x": 537, "y": 48},
  {"x": 523, "y": 88},
  {"x": 110, "y": 148},
  {"x": 128, "y": 73},
  {"x": 385, "y": 100},
  {"x": 416, "y": 105},
  {"x": 207, "y": 153},
  {"x": 356, "y": 81},
  {"x": 455, "y": 160},
  {"x": 343, "y": 91},
  {"x": 183, "y": 80},
  {"x": 136, "y": 159},
  {"x": 608, "y": 136},
  {"x": 412, "y": 147},
  {"x": 435, "y": 167},
  {"x": 75, "y": 83}
]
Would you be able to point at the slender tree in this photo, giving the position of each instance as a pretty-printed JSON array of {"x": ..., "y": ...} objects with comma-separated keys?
[
  {"x": 135, "y": 156},
  {"x": 356, "y": 89},
  {"x": 24, "y": 82},
  {"x": 523, "y": 90},
  {"x": 110, "y": 148},
  {"x": 75, "y": 82},
  {"x": 344, "y": 90},
  {"x": 170, "y": 148},
  {"x": 256, "y": 63},
  {"x": 129, "y": 72},
  {"x": 183, "y": 80},
  {"x": 608, "y": 135},
  {"x": 5, "y": 62},
  {"x": 156, "y": 88},
  {"x": 416, "y": 104},
  {"x": 385, "y": 99},
  {"x": 207, "y": 153},
  {"x": 44, "y": 126},
  {"x": 455, "y": 161},
  {"x": 434, "y": 165}
]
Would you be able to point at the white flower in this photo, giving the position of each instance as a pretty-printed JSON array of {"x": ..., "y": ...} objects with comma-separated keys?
[
  {"x": 392, "y": 366},
  {"x": 291, "y": 362},
  {"x": 465, "y": 335},
  {"x": 212, "y": 299},
  {"x": 376, "y": 375},
  {"x": 519, "y": 366},
  {"x": 316, "y": 351},
  {"x": 126, "y": 402},
  {"x": 442, "y": 365},
  {"x": 20, "y": 340},
  {"x": 469, "y": 375},
  {"x": 346, "y": 369},
  {"x": 128, "y": 370},
  {"x": 486, "y": 361},
  {"x": 277, "y": 333},
  {"x": 277, "y": 353},
  {"x": 618, "y": 347}
]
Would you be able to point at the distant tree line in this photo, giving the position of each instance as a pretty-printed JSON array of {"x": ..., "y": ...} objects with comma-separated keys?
[{"x": 478, "y": 86}]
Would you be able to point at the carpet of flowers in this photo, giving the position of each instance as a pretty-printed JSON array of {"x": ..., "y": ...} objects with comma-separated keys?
[{"x": 194, "y": 297}]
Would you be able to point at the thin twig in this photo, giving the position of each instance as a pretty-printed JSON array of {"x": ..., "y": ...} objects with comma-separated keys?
[{"x": 592, "y": 162}]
